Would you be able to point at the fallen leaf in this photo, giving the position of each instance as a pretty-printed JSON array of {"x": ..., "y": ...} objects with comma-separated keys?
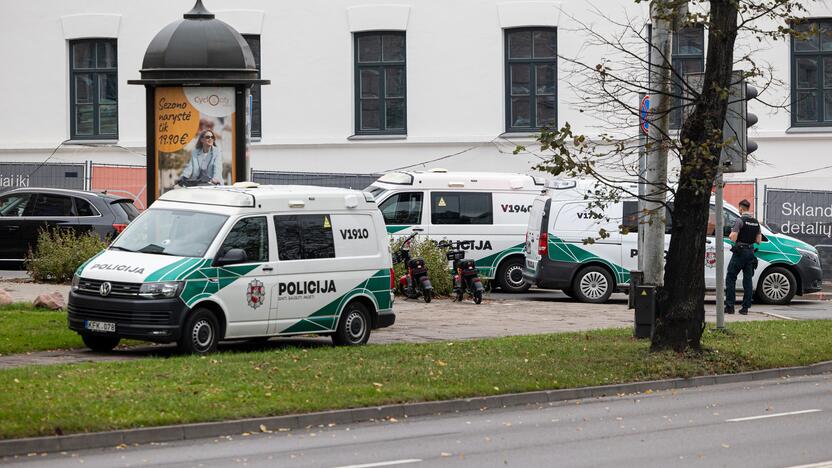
[
  {"x": 726, "y": 446},
  {"x": 445, "y": 454},
  {"x": 263, "y": 428}
]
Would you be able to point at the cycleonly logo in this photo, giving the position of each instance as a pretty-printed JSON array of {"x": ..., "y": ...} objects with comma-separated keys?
[
  {"x": 212, "y": 100},
  {"x": 295, "y": 290},
  {"x": 114, "y": 267}
]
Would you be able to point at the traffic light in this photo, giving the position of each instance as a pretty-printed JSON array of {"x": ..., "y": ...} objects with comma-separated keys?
[{"x": 737, "y": 120}]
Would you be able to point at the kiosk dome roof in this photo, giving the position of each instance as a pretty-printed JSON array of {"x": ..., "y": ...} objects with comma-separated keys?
[{"x": 199, "y": 46}]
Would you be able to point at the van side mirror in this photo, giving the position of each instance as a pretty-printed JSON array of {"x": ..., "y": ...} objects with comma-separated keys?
[{"x": 231, "y": 257}]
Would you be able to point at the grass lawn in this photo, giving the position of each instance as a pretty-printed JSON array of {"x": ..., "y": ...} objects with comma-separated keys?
[
  {"x": 93, "y": 397},
  {"x": 24, "y": 328}
]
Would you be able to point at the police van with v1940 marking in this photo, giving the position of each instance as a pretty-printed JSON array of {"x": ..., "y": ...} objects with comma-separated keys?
[
  {"x": 482, "y": 213},
  {"x": 206, "y": 264},
  {"x": 557, "y": 256}
]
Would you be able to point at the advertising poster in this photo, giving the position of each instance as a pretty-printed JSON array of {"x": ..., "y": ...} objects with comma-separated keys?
[
  {"x": 805, "y": 215},
  {"x": 194, "y": 137}
]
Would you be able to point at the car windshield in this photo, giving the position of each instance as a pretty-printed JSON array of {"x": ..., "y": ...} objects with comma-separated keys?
[{"x": 171, "y": 232}]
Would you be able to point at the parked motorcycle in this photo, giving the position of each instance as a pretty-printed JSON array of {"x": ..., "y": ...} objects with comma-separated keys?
[
  {"x": 415, "y": 282},
  {"x": 466, "y": 277}
]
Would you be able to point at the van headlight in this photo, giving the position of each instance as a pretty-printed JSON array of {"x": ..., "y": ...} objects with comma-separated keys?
[
  {"x": 160, "y": 290},
  {"x": 810, "y": 255},
  {"x": 76, "y": 282}
]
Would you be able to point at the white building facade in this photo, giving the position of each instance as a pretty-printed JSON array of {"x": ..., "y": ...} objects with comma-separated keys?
[{"x": 363, "y": 87}]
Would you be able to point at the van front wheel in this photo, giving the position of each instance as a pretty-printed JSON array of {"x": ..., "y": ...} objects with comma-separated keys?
[
  {"x": 100, "y": 343},
  {"x": 592, "y": 284},
  {"x": 777, "y": 286},
  {"x": 354, "y": 326},
  {"x": 510, "y": 276},
  {"x": 201, "y": 333}
]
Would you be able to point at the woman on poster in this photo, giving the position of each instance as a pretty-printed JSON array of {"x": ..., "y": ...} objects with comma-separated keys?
[{"x": 205, "y": 164}]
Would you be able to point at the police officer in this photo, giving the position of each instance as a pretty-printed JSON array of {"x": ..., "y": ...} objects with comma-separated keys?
[{"x": 745, "y": 233}]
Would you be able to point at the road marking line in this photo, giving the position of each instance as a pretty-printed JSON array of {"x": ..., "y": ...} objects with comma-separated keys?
[
  {"x": 826, "y": 464},
  {"x": 386, "y": 463},
  {"x": 776, "y": 415}
]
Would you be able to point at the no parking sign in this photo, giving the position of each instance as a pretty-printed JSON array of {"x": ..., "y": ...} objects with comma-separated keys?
[{"x": 644, "y": 109}]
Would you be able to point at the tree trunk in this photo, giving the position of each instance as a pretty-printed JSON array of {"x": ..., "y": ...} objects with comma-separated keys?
[{"x": 680, "y": 302}]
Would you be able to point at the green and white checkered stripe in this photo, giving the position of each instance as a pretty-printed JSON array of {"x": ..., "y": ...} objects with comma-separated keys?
[{"x": 568, "y": 252}]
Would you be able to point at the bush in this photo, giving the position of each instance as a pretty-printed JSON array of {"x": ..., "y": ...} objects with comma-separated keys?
[
  {"x": 60, "y": 252},
  {"x": 435, "y": 259}
]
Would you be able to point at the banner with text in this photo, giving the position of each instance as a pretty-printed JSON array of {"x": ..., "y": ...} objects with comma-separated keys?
[
  {"x": 51, "y": 175},
  {"x": 194, "y": 137},
  {"x": 805, "y": 215}
]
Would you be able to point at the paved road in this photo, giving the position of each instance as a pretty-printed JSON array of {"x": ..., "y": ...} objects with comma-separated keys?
[{"x": 777, "y": 423}]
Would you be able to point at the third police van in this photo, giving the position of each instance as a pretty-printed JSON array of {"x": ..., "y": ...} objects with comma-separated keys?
[
  {"x": 482, "y": 213},
  {"x": 558, "y": 256}
]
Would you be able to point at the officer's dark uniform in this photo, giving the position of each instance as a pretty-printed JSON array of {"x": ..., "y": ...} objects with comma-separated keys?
[{"x": 747, "y": 229}]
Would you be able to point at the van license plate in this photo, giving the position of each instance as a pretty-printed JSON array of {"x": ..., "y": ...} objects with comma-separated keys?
[{"x": 100, "y": 326}]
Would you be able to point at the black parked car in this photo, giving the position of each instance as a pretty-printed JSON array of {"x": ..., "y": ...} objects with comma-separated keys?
[{"x": 25, "y": 211}]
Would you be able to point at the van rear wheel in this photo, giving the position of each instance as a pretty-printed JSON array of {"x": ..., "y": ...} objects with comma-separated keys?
[
  {"x": 354, "y": 326},
  {"x": 510, "y": 276},
  {"x": 592, "y": 284}
]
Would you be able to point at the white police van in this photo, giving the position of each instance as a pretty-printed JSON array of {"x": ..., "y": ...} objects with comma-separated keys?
[
  {"x": 483, "y": 213},
  {"x": 207, "y": 264},
  {"x": 558, "y": 256}
]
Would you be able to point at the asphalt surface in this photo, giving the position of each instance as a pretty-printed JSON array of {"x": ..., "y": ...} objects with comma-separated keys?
[{"x": 773, "y": 423}]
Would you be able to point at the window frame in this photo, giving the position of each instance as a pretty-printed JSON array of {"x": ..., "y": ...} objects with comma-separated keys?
[
  {"x": 382, "y": 66},
  {"x": 676, "y": 60},
  {"x": 531, "y": 61},
  {"x": 96, "y": 72},
  {"x": 268, "y": 252},
  {"x": 256, "y": 103},
  {"x": 820, "y": 89},
  {"x": 302, "y": 238},
  {"x": 396, "y": 195},
  {"x": 460, "y": 194}
]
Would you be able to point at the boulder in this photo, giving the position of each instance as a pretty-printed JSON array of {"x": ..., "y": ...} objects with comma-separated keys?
[
  {"x": 5, "y": 298},
  {"x": 52, "y": 301}
]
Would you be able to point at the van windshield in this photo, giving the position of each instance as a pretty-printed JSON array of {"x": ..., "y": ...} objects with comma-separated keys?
[{"x": 171, "y": 232}]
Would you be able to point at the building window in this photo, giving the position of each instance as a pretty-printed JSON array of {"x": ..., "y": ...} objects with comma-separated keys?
[
  {"x": 380, "y": 85},
  {"x": 253, "y": 41},
  {"x": 93, "y": 89},
  {"x": 688, "y": 56},
  {"x": 812, "y": 75},
  {"x": 531, "y": 79}
]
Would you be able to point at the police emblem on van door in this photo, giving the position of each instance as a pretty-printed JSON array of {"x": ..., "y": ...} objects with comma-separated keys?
[
  {"x": 255, "y": 293},
  {"x": 710, "y": 258}
]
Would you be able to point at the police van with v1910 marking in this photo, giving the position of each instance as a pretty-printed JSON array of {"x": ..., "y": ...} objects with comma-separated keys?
[
  {"x": 558, "y": 256},
  {"x": 206, "y": 264},
  {"x": 482, "y": 213}
]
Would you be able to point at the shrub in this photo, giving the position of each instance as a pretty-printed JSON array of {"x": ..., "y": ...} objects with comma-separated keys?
[
  {"x": 60, "y": 252},
  {"x": 435, "y": 259}
]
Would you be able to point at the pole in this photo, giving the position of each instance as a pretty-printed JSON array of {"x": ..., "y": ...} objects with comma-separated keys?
[
  {"x": 656, "y": 170},
  {"x": 642, "y": 168},
  {"x": 720, "y": 252}
]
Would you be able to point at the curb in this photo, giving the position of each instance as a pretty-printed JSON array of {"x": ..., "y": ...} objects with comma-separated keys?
[{"x": 84, "y": 441}]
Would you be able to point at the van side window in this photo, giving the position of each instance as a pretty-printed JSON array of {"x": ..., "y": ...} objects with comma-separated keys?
[
  {"x": 632, "y": 217},
  {"x": 251, "y": 235},
  {"x": 301, "y": 237},
  {"x": 461, "y": 208},
  {"x": 402, "y": 208}
]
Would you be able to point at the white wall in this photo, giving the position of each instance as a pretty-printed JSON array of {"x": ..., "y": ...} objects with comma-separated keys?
[{"x": 455, "y": 83}]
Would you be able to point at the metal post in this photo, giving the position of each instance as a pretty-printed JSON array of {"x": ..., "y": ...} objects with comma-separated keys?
[
  {"x": 642, "y": 168},
  {"x": 720, "y": 252},
  {"x": 656, "y": 170}
]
